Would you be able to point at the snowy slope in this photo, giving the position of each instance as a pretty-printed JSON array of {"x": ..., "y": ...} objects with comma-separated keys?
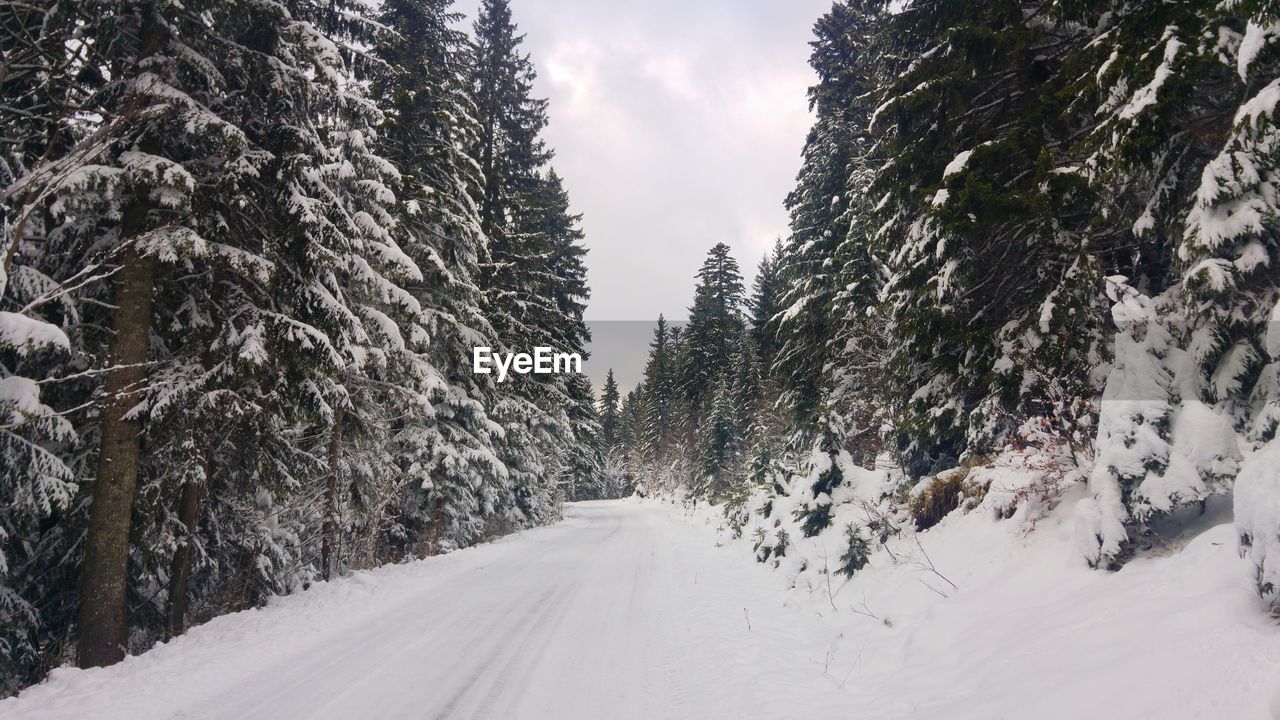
[
  {"x": 1029, "y": 631},
  {"x": 638, "y": 610}
]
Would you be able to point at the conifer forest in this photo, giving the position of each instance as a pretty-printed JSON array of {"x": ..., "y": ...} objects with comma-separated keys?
[{"x": 1011, "y": 377}]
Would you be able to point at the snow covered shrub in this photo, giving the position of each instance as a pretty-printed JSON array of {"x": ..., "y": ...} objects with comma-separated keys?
[
  {"x": 1133, "y": 432},
  {"x": 1230, "y": 250},
  {"x": 736, "y": 512},
  {"x": 814, "y": 518},
  {"x": 1257, "y": 490},
  {"x": 1257, "y": 509},
  {"x": 1043, "y": 459},
  {"x": 780, "y": 545},
  {"x": 858, "y": 553},
  {"x": 765, "y": 550},
  {"x": 822, "y": 473},
  {"x": 1159, "y": 446}
]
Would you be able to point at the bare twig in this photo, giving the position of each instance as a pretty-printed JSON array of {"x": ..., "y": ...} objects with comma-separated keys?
[
  {"x": 826, "y": 665},
  {"x": 826, "y": 571},
  {"x": 867, "y": 611},
  {"x": 930, "y": 565},
  {"x": 922, "y": 582}
]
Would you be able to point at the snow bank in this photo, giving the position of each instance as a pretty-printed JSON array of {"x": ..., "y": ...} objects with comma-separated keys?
[{"x": 992, "y": 613}]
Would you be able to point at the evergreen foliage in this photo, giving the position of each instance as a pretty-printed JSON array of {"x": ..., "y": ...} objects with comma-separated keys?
[
  {"x": 248, "y": 248},
  {"x": 1015, "y": 225}
]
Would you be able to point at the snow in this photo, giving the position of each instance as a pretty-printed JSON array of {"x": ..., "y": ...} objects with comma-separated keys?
[
  {"x": 617, "y": 612},
  {"x": 635, "y": 609},
  {"x": 1273, "y": 333},
  {"x": 21, "y": 396},
  {"x": 1146, "y": 95},
  {"x": 25, "y": 334},
  {"x": 1255, "y": 39},
  {"x": 957, "y": 164},
  {"x": 1262, "y": 104},
  {"x": 1115, "y": 55},
  {"x": 1028, "y": 630}
]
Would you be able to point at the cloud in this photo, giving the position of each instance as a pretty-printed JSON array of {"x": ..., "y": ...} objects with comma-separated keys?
[{"x": 676, "y": 125}]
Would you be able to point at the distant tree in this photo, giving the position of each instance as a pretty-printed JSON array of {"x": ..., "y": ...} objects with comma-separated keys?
[{"x": 610, "y": 414}]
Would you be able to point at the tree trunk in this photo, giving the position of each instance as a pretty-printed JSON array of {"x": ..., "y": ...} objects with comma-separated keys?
[
  {"x": 180, "y": 567},
  {"x": 189, "y": 503},
  {"x": 103, "y": 621},
  {"x": 437, "y": 527},
  {"x": 104, "y": 628},
  {"x": 329, "y": 540}
]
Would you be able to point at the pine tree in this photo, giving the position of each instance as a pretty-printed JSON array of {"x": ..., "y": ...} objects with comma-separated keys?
[
  {"x": 586, "y": 472},
  {"x": 610, "y": 418},
  {"x": 37, "y": 474},
  {"x": 245, "y": 284},
  {"x": 508, "y": 149},
  {"x": 709, "y": 341},
  {"x": 1185, "y": 122},
  {"x": 534, "y": 279},
  {"x": 658, "y": 398},
  {"x": 718, "y": 442},
  {"x": 763, "y": 305},
  {"x": 632, "y": 424},
  {"x": 975, "y": 324},
  {"x": 210, "y": 314},
  {"x": 445, "y": 445}
]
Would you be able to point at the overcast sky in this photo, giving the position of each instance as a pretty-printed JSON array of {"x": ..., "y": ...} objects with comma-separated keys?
[{"x": 677, "y": 124}]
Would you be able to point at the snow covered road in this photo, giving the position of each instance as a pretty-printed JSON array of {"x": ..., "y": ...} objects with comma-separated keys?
[
  {"x": 617, "y": 612},
  {"x": 630, "y": 610}
]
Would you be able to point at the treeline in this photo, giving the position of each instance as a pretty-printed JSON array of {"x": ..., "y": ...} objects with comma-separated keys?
[
  {"x": 248, "y": 247},
  {"x": 1017, "y": 224}
]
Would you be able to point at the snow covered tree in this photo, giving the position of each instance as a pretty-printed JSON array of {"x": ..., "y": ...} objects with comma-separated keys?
[
  {"x": 1185, "y": 113},
  {"x": 710, "y": 339},
  {"x": 1230, "y": 251},
  {"x": 444, "y": 443},
  {"x": 763, "y": 305},
  {"x": 533, "y": 280},
  {"x": 243, "y": 262},
  {"x": 38, "y": 480},
  {"x": 820, "y": 206},
  {"x": 718, "y": 443},
  {"x": 658, "y": 397},
  {"x": 631, "y": 440},
  {"x": 508, "y": 148},
  {"x": 984, "y": 237},
  {"x": 585, "y": 472},
  {"x": 609, "y": 411}
]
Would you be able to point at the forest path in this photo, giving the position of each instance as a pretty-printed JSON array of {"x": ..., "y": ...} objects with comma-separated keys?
[{"x": 619, "y": 611}]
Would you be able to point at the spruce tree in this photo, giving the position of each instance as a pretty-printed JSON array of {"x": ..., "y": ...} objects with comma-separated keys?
[
  {"x": 985, "y": 241},
  {"x": 763, "y": 305},
  {"x": 610, "y": 418},
  {"x": 533, "y": 279},
  {"x": 710, "y": 339},
  {"x": 510, "y": 119},
  {"x": 444, "y": 444},
  {"x": 658, "y": 398},
  {"x": 822, "y": 212},
  {"x": 1185, "y": 122}
]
